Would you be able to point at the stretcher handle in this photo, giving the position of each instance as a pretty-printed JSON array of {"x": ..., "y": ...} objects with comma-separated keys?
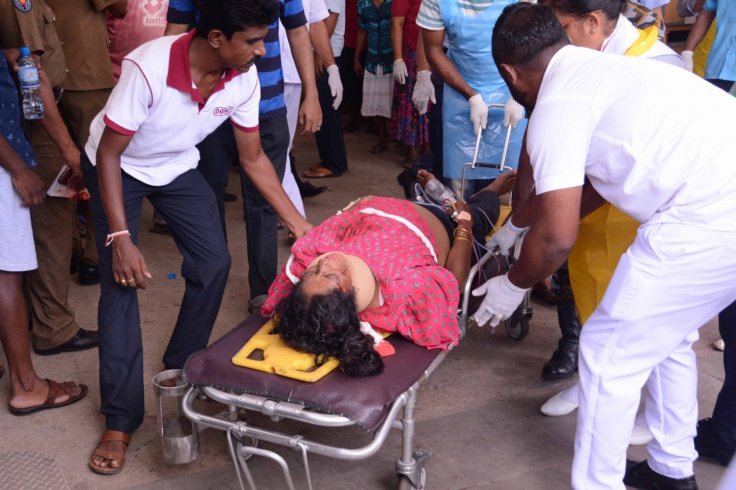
[{"x": 502, "y": 165}]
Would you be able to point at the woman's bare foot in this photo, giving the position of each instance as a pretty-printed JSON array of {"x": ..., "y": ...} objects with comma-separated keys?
[{"x": 503, "y": 184}]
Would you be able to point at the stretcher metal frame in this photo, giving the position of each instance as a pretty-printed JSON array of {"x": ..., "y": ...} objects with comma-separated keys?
[{"x": 243, "y": 438}]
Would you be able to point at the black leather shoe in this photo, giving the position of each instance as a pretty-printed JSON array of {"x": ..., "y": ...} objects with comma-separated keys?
[
  {"x": 710, "y": 445},
  {"x": 640, "y": 475},
  {"x": 82, "y": 340},
  {"x": 564, "y": 362},
  {"x": 307, "y": 189},
  {"x": 89, "y": 273},
  {"x": 227, "y": 197}
]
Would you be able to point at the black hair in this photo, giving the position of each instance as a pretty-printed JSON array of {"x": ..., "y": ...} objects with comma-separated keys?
[
  {"x": 328, "y": 325},
  {"x": 231, "y": 16},
  {"x": 523, "y": 31},
  {"x": 579, "y": 8}
]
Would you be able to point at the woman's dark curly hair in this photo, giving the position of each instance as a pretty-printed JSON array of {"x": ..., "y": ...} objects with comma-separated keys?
[{"x": 328, "y": 325}]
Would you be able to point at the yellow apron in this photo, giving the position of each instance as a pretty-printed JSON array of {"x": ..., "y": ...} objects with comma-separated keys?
[{"x": 605, "y": 234}]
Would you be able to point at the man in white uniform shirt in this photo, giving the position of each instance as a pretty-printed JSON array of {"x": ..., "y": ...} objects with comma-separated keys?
[
  {"x": 605, "y": 128},
  {"x": 172, "y": 93}
]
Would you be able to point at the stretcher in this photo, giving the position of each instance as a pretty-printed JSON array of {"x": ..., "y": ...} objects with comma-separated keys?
[{"x": 376, "y": 404}]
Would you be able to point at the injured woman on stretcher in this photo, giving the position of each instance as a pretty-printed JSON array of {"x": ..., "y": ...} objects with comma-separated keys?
[{"x": 382, "y": 265}]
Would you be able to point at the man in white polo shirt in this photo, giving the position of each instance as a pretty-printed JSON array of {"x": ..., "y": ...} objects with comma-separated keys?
[
  {"x": 606, "y": 128},
  {"x": 172, "y": 93}
]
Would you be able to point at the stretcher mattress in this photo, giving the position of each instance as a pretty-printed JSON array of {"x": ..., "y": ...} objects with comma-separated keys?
[{"x": 363, "y": 400}]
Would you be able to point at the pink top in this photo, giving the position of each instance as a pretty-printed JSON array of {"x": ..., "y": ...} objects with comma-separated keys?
[
  {"x": 420, "y": 297},
  {"x": 145, "y": 20}
]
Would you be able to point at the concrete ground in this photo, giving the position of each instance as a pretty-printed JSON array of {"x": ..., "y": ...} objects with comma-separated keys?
[{"x": 479, "y": 413}]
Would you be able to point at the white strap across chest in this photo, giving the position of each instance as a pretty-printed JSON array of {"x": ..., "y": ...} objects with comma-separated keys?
[{"x": 405, "y": 222}]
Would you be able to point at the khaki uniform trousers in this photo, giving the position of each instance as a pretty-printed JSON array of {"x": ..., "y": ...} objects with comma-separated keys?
[
  {"x": 52, "y": 317},
  {"x": 79, "y": 108}
]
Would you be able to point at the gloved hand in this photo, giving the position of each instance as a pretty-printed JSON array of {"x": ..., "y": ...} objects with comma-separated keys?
[
  {"x": 333, "y": 80},
  {"x": 687, "y": 58},
  {"x": 502, "y": 299},
  {"x": 423, "y": 91},
  {"x": 505, "y": 237},
  {"x": 400, "y": 72},
  {"x": 478, "y": 112},
  {"x": 513, "y": 112}
]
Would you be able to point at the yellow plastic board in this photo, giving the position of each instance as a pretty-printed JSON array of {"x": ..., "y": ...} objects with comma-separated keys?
[{"x": 279, "y": 358}]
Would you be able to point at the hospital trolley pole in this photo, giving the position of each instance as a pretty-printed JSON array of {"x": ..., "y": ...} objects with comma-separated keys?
[{"x": 517, "y": 326}]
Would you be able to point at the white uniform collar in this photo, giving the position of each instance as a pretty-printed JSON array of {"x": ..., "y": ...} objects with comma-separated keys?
[{"x": 622, "y": 37}]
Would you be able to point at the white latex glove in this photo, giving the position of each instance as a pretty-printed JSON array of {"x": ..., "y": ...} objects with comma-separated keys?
[
  {"x": 423, "y": 91},
  {"x": 502, "y": 299},
  {"x": 400, "y": 72},
  {"x": 513, "y": 112},
  {"x": 333, "y": 80},
  {"x": 505, "y": 237},
  {"x": 478, "y": 112},
  {"x": 687, "y": 58}
]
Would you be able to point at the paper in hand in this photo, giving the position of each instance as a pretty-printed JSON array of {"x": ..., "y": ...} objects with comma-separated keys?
[{"x": 58, "y": 189}]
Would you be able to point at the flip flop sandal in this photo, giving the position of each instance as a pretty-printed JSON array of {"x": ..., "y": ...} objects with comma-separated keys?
[
  {"x": 319, "y": 173},
  {"x": 55, "y": 391},
  {"x": 110, "y": 436}
]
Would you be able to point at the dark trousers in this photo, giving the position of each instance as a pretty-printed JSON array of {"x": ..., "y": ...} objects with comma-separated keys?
[
  {"x": 724, "y": 413},
  {"x": 218, "y": 152},
  {"x": 188, "y": 206},
  {"x": 352, "y": 84},
  {"x": 330, "y": 142},
  {"x": 260, "y": 218}
]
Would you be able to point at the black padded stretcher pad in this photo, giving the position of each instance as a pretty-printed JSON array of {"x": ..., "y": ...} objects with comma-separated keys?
[{"x": 363, "y": 400}]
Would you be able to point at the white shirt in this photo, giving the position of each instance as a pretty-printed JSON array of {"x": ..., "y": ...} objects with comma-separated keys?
[
  {"x": 314, "y": 11},
  {"x": 157, "y": 103},
  {"x": 337, "y": 40},
  {"x": 649, "y": 151}
]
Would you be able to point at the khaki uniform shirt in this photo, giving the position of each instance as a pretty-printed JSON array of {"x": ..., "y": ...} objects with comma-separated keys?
[
  {"x": 32, "y": 23},
  {"x": 83, "y": 33}
]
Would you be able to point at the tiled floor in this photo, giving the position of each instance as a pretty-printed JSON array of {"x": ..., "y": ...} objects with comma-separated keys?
[{"x": 479, "y": 413}]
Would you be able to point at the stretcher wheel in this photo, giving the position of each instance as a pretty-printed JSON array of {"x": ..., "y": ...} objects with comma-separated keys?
[
  {"x": 517, "y": 326},
  {"x": 406, "y": 484}
]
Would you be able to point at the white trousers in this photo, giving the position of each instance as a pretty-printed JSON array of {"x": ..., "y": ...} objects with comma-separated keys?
[
  {"x": 673, "y": 279},
  {"x": 292, "y": 98}
]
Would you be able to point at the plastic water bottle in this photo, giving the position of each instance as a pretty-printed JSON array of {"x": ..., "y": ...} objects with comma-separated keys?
[
  {"x": 29, "y": 85},
  {"x": 440, "y": 193}
]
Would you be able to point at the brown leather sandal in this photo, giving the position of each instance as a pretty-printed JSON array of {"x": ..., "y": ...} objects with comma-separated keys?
[
  {"x": 110, "y": 436},
  {"x": 72, "y": 390}
]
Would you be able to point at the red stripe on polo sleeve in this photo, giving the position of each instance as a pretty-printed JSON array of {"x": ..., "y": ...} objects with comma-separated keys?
[
  {"x": 116, "y": 127},
  {"x": 244, "y": 128}
]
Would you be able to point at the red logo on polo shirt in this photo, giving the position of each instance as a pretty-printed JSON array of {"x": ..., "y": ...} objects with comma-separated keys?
[{"x": 223, "y": 111}]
